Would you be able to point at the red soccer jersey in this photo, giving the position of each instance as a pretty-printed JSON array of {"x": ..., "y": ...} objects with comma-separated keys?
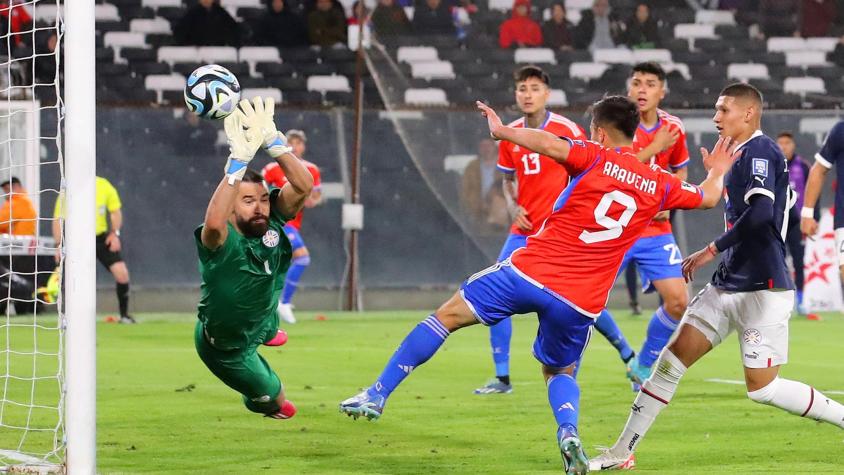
[
  {"x": 608, "y": 204},
  {"x": 672, "y": 159},
  {"x": 540, "y": 178},
  {"x": 274, "y": 175}
]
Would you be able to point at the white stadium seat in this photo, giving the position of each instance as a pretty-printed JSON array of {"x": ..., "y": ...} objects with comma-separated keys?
[
  {"x": 425, "y": 97},
  {"x": 164, "y": 82},
  {"x": 587, "y": 71},
  {"x": 252, "y": 55},
  {"x": 715, "y": 17},
  {"x": 262, "y": 92},
  {"x": 613, "y": 56},
  {"x": 408, "y": 11},
  {"x": 328, "y": 83},
  {"x": 558, "y": 98},
  {"x": 161, "y": 3},
  {"x": 106, "y": 12},
  {"x": 657, "y": 55},
  {"x": 804, "y": 85},
  {"x": 353, "y": 31},
  {"x": 45, "y": 13},
  {"x": 822, "y": 44},
  {"x": 241, "y": 3},
  {"x": 417, "y": 54},
  {"x": 696, "y": 126},
  {"x": 579, "y": 5},
  {"x": 501, "y": 5},
  {"x": 781, "y": 44},
  {"x": 747, "y": 71},
  {"x": 178, "y": 54},
  {"x": 682, "y": 68},
  {"x": 158, "y": 26},
  {"x": 432, "y": 70},
  {"x": 805, "y": 58},
  {"x": 819, "y": 126},
  {"x": 692, "y": 31},
  {"x": 123, "y": 39},
  {"x": 535, "y": 56},
  {"x": 457, "y": 163},
  {"x": 218, "y": 54}
]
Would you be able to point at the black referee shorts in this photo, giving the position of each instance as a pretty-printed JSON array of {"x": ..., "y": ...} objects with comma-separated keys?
[{"x": 106, "y": 257}]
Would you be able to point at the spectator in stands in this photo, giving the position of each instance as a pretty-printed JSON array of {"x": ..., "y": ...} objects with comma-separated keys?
[
  {"x": 598, "y": 28},
  {"x": 817, "y": 17},
  {"x": 17, "y": 215},
  {"x": 481, "y": 188},
  {"x": 463, "y": 13},
  {"x": 642, "y": 30},
  {"x": 327, "y": 25},
  {"x": 207, "y": 24},
  {"x": 17, "y": 20},
  {"x": 777, "y": 17},
  {"x": 45, "y": 62},
  {"x": 557, "y": 32},
  {"x": 280, "y": 27},
  {"x": 357, "y": 14},
  {"x": 432, "y": 17},
  {"x": 520, "y": 31},
  {"x": 389, "y": 19}
]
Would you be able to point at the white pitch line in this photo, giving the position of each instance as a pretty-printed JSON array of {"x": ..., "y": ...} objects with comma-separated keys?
[{"x": 737, "y": 382}]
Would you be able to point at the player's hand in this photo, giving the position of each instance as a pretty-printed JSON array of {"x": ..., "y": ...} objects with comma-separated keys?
[
  {"x": 243, "y": 143},
  {"x": 723, "y": 155},
  {"x": 809, "y": 227},
  {"x": 666, "y": 137},
  {"x": 260, "y": 114},
  {"x": 112, "y": 242},
  {"x": 694, "y": 262},
  {"x": 664, "y": 215},
  {"x": 521, "y": 220},
  {"x": 492, "y": 119}
]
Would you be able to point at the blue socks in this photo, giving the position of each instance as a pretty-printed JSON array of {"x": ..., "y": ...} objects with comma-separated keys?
[
  {"x": 499, "y": 339},
  {"x": 564, "y": 397},
  {"x": 659, "y": 332},
  {"x": 294, "y": 273},
  {"x": 418, "y": 346},
  {"x": 606, "y": 325}
]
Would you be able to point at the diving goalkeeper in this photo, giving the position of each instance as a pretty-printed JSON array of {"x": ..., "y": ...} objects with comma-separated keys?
[{"x": 243, "y": 258}]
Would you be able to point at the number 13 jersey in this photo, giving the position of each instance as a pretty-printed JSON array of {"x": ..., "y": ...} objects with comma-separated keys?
[
  {"x": 607, "y": 205},
  {"x": 540, "y": 179}
]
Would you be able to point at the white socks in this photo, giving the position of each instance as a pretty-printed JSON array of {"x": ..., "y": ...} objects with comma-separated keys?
[
  {"x": 801, "y": 400},
  {"x": 656, "y": 393}
]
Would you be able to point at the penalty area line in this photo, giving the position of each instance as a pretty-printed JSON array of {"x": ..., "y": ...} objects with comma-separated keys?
[{"x": 741, "y": 383}]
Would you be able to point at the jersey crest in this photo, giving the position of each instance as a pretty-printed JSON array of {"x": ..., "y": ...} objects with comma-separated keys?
[{"x": 271, "y": 238}]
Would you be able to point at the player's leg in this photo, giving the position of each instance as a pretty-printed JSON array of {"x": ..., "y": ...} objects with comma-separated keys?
[
  {"x": 794, "y": 243},
  {"x": 300, "y": 261},
  {"x": 113, "y": 261},
  {"x": 631, "y": 280},
  {"x": 501, "y": 333}
]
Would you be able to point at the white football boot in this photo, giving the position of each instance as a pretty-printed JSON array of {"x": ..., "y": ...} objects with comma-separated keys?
[{"x": 285, "y": 312}]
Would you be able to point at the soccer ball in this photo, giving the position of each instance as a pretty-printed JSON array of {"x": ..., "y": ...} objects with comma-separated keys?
[{"x": 212, "y": 92}]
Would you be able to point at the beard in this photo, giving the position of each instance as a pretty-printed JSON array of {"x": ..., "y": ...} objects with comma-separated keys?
[{"x": 253, "y": 227}]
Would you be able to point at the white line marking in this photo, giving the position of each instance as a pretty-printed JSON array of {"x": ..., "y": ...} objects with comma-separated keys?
[{"x": 737, "y": 382}]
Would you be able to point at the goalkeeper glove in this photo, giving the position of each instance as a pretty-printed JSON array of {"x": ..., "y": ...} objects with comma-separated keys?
[
  {"x": 244, "y": 141},
  {"x": 259, "y": 115}
]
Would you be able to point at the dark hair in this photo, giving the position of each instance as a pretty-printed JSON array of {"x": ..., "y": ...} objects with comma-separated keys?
[
  {"x": 740, "y": 90},
  {"x": 560, "y": 3},
  {"x": 251, "y": 176},
  {"x": 616, "y": 112},
  {"x": 14, "y": 180},
  {"x": 526, "y": 72},
  {"x": 785, "y": 133},
  {"x": 650, "y": 67}
]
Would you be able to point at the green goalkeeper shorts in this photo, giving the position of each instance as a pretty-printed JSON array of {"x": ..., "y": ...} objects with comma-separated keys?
[{"x": 243, "y": 370}]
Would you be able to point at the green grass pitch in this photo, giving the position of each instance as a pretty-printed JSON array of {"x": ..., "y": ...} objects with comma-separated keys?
[{"x": 161, "y": 411}]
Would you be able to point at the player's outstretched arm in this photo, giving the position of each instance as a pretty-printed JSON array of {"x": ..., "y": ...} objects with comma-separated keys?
[
  {"x": 817, "y": 175},
  {"x": 718, "y": 163},
  {"x": 243, "y": 143},
  {"x": 539, "y": 141}
]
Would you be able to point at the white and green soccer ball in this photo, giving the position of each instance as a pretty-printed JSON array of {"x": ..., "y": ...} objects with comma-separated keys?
[{"x": 212, "y": 92}]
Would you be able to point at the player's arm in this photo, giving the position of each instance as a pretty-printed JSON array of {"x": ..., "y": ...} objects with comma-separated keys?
[
  {"x": 817, "y": 176},
  {"x": 664, "y": 139},
  {"x": 539, "y": 141},
  {"x": 113, "y": 239}
]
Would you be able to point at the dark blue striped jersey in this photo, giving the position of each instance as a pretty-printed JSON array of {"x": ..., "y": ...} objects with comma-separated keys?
[
  {"x": 757, "y": 263},
  {"x": 832, "y": 153}
]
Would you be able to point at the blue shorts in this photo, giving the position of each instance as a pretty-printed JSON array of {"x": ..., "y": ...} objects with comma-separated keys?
[
  {"x": 499, "y": 292},
  {"x": 294, "y": 237},
  {"x": 656, "y": 258},
  {"x": 513, "y": 242}
]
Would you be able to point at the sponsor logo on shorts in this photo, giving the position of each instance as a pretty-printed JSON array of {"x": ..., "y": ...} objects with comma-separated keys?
[
  {"x": 752, "y": 356},
  {"x": 270, "y": 239},
  {"x": 752, "y": 337},
  {"x": 633, "y": 442}
]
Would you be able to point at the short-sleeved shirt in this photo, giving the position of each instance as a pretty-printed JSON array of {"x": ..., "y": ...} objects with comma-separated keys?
[
  {"x": 241, "y": 283},
  {"x": 832, "y": 153},
  {"x": 540, "y": 178},
  {"x": 673, "y": 159},
  {"x": 758, "y": 263},
  {"x": 18, "y": 215},
  {"x": 274, "y": 176},
  {"x": 602, "y": 212},
  {"x": 107, "y": 199}
]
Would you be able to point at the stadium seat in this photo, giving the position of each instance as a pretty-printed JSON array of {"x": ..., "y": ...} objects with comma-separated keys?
[
  {"x": 253, "y": 55},
  {"x": 535, "y": 56},
  {"x": 262, "y": 92},
  {"x": 587, "y": 71},
  {"x": 161, "y": 83},
  {"x": 558, "y": 98},
  {"x": 150, "y": 26},
  {"x": 804, "y": 85},
  {"x": 805, "y": 58},
  {"x": 715, "y": 17},
  {"x": 613, "y": 56},
  {"x": 457, "y": 163},
  {"x": 425, "y": 97},
  {"x": 501, "y": 5},
  {"x": 693, "y": 31},
  {"x": 218, "y": 54},
  {"x": 657, "y": 55},
  {"x": 328, "y": 83},
  {"x": 106, "y": 12},
  {"x": 178, "y": 54},
  {"x": 123, "y": 39},
  {"x": 747, "y": 71},
  {"x": 696, "y": 126},
  {"x": 339, "y": 98},
  {"x": 45, "y": 12},
  {"x": 681, "y": 68},
  {"x": 416, "y": 54},
  {"x": 782, "y": 44},
  {"x": 162, "y": 3},
  {"x": 432, "y": 70},
  {"x": 354, "y": 39},
  {"x": 578, "y": 4},
  {"x": 241, "y": 4},
  {"x": 822, "y": 44},
  {"x": 408, "y": 11},
  {"x": 818, "y": 126}
]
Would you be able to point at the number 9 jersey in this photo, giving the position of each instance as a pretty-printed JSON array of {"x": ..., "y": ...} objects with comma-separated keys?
[{"x": 606, "y": 207}]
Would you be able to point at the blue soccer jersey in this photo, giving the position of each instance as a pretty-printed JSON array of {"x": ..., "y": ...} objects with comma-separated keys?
[
  {"x": 830, "y": 154},
  {"x": 756, "y": 263}
]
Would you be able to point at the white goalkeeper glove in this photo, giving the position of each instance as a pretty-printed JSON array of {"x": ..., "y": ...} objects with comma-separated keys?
[
  {"x": 244, "y": 141},
  {"x": 259, "y": 114}
]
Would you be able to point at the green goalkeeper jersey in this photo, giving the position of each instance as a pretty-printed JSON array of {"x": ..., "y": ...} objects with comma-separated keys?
[{"x": 241, "y": 283}]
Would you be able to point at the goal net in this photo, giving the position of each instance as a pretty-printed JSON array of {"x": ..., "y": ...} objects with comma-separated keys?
[{"x": 31, "y": 326}]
